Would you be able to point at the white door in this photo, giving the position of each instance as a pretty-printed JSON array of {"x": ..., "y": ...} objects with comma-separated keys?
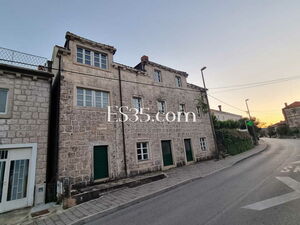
[{"x": 15, "y": 178}]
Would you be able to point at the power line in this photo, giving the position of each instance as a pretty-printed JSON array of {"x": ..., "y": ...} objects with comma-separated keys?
[
  {"x": 232, "y": 106},
  {"x": 116, "y": 79},
  {"x": 252, "y": 85},
  {"x": 103, "y": 77}
]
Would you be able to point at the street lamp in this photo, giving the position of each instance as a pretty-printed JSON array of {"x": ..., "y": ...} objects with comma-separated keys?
[
  {"x": 248, "y": 108},
  {"x": 203, "y": 68},
  {"x": 252, "y": 126},
  {"x": 209, "y": 114}
]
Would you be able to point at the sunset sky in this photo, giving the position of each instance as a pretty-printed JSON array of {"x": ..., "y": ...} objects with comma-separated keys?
[{"x": 240, "y": 42}]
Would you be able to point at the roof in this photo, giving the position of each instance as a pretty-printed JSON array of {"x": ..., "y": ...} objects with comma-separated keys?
[
  {"x": 193, "y": 86},
  {"x": 293, "y": 105},
  {"x": 71, "y": 36},
  {"x": 278, "y": 124},
  {"x": 168, "y": 68},
  {"x": 140, "y": 66},
  {"x": 25, "y": 71},
  {"x": 129, "y": 68},
  {"x": 223, "y": 112}
]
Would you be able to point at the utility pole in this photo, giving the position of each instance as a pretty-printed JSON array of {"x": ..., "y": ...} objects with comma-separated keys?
[
  {"x": 253, "y": 129},
  {"x": 210, "y": 117},
  {"x": 248, "y": 108}
]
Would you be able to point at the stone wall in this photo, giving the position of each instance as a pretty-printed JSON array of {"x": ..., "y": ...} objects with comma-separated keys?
[
  {"x": 81, "y": 128},
  {"x": 292, "y": 116},
  {"x": 28, "y": 120}
]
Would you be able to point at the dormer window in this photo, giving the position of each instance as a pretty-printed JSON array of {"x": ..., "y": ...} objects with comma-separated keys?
[
  {"x": 92, "y": 58},
  {"x": 87, "y": 57},
  {"x": 157, "y": 76},
  {"x": 178, "y": 81}
]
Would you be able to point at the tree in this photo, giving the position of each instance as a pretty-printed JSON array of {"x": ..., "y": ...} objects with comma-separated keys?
[
  {"x": 271, "y": 131},
  {"x": 202, "y": 103}
]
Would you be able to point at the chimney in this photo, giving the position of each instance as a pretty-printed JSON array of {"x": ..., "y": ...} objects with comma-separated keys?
[
  {"x": 144, "y": 58},
  {"x": 220, "y": 108},
  {"x": 285, "y": 104}
]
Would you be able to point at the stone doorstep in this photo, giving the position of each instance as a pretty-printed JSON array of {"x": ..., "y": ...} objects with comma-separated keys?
[{"x": 97, "y": 191}]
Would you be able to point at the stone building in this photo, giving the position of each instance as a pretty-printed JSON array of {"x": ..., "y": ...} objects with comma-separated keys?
[
  {"x": 223, "y": 116},
  {"x": 24, "y": 107},
  {"x": 90, "y": 148},
  {"x": 291, "y": 114}
]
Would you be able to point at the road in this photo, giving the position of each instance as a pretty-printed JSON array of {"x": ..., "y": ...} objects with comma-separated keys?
[{"x": 263, "y": 189}]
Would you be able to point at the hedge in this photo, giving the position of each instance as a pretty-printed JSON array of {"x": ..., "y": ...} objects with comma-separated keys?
[{"x": 233, "y": 141}]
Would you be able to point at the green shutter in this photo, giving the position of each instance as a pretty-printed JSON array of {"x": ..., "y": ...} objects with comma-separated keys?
[
  {"x": 167, "y": 153},
  {"x": 100, "y": 162},
  {"x": 188, "y": 149}
]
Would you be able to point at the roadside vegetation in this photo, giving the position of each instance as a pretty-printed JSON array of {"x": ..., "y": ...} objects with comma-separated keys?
[
  {"x": 282, "y": 131},
  {"x": 234, "y": 137}
]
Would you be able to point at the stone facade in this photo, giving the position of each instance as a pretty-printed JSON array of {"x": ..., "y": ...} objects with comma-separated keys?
[
  {"x": 26, "y": 120},
  {"x": 82, "y": 128},
  {"x": 291, "y": 114}
]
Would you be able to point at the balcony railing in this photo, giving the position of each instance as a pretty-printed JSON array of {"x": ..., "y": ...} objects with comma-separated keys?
[{"x": 11, "y": 57}]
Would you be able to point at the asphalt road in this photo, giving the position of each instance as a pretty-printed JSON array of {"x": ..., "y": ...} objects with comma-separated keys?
[{"x": 229, "y": 196}]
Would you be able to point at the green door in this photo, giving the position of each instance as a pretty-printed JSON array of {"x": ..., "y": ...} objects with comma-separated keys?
[
  {"x": 188, "y": 150},
  {"x": 100, "y": 162},
  {"x": 167, "y": 153}
]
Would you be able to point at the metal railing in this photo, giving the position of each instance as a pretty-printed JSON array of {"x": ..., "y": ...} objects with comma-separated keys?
[{"x": 16, "y": 58}]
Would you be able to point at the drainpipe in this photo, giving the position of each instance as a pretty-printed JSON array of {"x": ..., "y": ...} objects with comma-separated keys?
[{"x": 122, "y": 122}]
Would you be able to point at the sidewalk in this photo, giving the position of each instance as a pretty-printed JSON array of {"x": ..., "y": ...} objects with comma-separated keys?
[{"x": 125, "y": 197}]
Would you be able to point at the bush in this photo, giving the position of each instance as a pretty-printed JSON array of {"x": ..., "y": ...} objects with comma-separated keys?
[
  {"x": 271, "y": 131},
  {"x": 283, "y": 130},
  {"x": 233, "y": 141}
]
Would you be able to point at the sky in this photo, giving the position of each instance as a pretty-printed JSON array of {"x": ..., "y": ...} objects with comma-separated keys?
[{"x": 239, "y": 42}]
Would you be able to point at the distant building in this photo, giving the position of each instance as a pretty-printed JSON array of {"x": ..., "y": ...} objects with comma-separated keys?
[
  {"x": 292, "y": 114},
  {"x": 276, "y": 125},
  {"x": 223, "y": 116}
]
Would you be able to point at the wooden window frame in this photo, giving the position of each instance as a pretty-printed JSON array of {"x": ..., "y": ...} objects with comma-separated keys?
[
  {"x": 203, "y": 143},
  {"x": 94, "y": 102},
  {"x": 102, "y": 57},
  {"x": 178, "y": 81},
  {"x": 140, "y": 147}
]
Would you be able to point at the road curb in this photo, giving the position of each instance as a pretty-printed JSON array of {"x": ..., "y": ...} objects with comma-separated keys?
[
  {"x": 254, "y": 154},
  {"x": 98, "y": 215}
]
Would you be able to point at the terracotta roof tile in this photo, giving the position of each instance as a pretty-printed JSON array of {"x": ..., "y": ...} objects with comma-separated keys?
[{"x": 293, "y": 105}]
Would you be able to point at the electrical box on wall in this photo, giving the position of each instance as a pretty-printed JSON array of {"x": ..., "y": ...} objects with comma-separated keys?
[{"x": 40, "y": 194}]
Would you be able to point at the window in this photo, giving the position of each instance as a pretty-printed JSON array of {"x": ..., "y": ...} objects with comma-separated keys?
[
  {"x": 137, "y": 103},
  {"x": 3, "y": 100},
  {"x": 199, "y": 110},
  {"x": 87, "y": 57},
  {"x": 182, "y": 108},
  {"x": 92, "y": 98},
  {"x": 157, "y": 76},
  {"x": 161, "y": 106},
  {"x": 142, "y": 151},
  {"x": 80, "y": 55},
  {"x": 178, "y": 81},
  {"x": 100, "y": 60},
  {"x": 103, "y": 61},
  {"x": 96, "y": 59},
  {"x": 203, "y": 145},
  {"x": 92, "y": 58}
]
